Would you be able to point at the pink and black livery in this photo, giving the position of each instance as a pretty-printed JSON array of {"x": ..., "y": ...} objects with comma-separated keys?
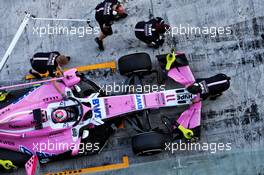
[{"x": 42, "y": 116}]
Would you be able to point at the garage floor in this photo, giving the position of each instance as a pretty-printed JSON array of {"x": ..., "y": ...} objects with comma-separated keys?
[{"x": 236, "y": 117}]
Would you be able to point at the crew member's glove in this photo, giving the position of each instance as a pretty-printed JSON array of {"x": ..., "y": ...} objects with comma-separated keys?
[
  {"x": 64, "y": 97},
  {"x": 161, "y": 42},
  {"x": 155, "y": 45}
]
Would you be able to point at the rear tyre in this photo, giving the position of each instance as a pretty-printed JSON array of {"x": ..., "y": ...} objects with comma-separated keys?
[
  {"x": 149, "y": 143},
  {"x": 134, "y": 63}
]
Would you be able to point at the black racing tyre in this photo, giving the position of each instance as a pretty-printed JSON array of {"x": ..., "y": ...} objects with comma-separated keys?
[
  {"x": 149, "y": 143},
  {"x": 133, "y": 63},
  {"x": 18, "y": 159}
]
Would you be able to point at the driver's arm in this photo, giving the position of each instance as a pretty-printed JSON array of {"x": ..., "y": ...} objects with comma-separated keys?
[{"x": 55, "y": 84}]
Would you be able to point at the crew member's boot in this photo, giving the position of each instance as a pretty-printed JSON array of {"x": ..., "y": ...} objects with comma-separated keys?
[
  {"x": 100, "y": 44},
  {"x": 36, "y": 75}
]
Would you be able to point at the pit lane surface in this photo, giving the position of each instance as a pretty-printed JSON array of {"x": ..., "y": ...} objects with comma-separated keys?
[{"x": 236, "y": 117}]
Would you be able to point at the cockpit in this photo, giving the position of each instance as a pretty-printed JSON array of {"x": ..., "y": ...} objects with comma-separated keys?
[
  {"x": 68, "y": 112},
  {"x": 63, "y": 115}
]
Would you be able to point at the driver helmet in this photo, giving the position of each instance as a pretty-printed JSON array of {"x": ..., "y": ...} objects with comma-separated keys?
[{"x": 60, "y": 116}]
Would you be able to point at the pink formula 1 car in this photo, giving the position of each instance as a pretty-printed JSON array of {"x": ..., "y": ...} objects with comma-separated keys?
[{"x": 40, "y": 125}]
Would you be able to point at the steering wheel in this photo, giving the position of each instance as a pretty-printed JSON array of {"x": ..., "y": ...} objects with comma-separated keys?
[{"x": 80, "y": 110}]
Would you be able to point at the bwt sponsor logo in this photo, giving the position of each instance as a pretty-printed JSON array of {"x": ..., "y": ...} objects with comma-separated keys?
[
  {"x": 139, "y": 102},
  {"x": 96, "y": 108}
]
